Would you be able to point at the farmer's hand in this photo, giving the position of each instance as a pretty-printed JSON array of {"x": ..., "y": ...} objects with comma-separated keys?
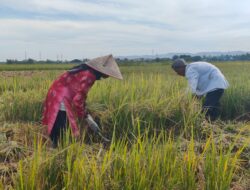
[
  {"x": 92, "y": 124},
  {"x": 94, "y": 127},
  {"x": 198, "y": 97}
]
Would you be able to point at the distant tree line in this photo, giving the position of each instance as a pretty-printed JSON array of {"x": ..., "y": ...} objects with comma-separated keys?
[
  {"x": 141, "y": 61},
  {"x": 189, "y": 58},
  {"x": 33, "y": 61},
  {"x": 126, "y": 61}
]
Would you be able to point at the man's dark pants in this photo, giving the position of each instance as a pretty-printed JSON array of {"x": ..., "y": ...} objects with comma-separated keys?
[{"x": 212, "y": 104}]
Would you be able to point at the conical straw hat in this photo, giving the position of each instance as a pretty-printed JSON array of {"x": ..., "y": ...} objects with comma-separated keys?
[{"x": 106, "y": 65}]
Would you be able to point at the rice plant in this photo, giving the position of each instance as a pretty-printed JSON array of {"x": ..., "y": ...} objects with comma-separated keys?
[{"x": 159, "y": 137}]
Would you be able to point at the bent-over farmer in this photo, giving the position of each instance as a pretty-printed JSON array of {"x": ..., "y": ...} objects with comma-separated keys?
[
  {"x": 67, "y": 96},
  {"x": 204, "y": 79}
]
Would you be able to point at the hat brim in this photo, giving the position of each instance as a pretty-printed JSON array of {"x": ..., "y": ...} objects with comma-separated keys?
[
  {"x": 119, "y": 77},
  {"x": 106, "y": 65}
]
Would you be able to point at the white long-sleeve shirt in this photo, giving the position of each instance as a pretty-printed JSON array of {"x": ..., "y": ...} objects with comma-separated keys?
[{"x": 204, "y": 77}]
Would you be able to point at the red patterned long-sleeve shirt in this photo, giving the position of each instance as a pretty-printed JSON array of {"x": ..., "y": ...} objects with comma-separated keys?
[{"x": 71, "y": 90}]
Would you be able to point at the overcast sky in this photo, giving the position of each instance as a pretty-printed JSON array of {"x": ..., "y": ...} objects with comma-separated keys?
[{"x": 67, "y": 29}]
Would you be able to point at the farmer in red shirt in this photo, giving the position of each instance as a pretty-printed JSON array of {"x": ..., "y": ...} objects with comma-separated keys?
[{"x": 67, "y": 95}]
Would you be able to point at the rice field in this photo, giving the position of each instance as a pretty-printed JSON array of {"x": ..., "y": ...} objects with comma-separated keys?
[{"x": 160, "y": 139}]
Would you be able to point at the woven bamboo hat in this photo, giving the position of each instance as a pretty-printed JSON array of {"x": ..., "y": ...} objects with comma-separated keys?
[{"x": 106, "y": 65}]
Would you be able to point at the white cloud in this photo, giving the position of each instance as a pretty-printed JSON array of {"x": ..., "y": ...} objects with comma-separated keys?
[{"x": 78, "y": 28}]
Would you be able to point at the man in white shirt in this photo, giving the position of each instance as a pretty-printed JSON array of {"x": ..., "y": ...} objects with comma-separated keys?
[{"x": 204, "y": 79}]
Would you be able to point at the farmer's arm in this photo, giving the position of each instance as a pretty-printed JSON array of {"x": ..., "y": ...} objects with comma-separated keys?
[
  {"x": 192, "y": 76},
  {"x": 79, "y": 102}
]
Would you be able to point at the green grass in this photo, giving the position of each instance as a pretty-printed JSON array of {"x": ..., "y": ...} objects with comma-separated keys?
[
  {"x": 148, "y": 163},
  {"x": 159, "y": 137}
]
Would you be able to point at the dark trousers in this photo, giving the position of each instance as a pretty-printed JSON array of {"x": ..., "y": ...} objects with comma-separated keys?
[
  {"x": 211, "y": 106},
  {"x": 58, "y": 128}
]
